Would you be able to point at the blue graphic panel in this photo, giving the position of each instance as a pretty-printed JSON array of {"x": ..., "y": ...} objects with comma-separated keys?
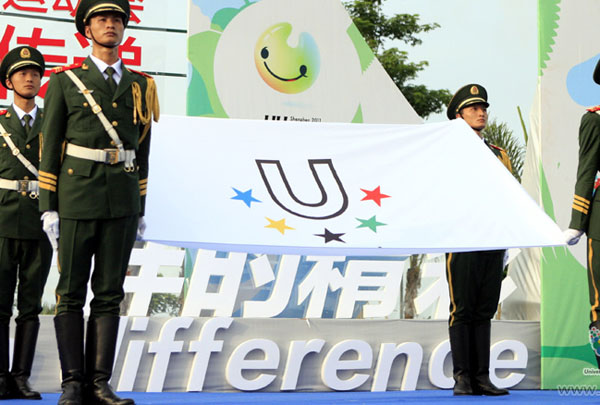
[
  {"x": 582, "y": 88},
  {"x": 211, "y": 7}
]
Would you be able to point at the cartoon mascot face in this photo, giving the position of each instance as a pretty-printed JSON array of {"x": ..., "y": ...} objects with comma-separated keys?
[{"x": 286, "y": 69}]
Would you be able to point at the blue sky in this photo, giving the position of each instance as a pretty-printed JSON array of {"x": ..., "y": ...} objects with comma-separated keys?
[{"x": 491, "y": 42}]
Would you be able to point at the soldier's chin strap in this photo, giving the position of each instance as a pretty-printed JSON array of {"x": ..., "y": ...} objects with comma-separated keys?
[
  {"x": 101, "y": 44},
  {"x": 24, "y": 97}
]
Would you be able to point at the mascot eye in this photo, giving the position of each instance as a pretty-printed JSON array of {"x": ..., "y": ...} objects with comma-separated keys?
[
  {"x": 303, "y": 70},
  {"x": 264, "y": 53}
]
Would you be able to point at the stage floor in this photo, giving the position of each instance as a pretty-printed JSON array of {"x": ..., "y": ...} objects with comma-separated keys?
[{"x": 433, "y": 397}]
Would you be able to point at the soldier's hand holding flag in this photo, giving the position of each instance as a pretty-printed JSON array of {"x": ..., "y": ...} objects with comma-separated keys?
[{"x": 572, "y": 236}]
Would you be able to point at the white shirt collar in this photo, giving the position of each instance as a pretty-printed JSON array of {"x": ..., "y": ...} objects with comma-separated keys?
[
  {"x": 101, "y": 65},
  {"x": 21, "y": 114}
]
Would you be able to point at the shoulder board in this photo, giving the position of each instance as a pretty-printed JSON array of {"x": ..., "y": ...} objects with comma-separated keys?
[
  {"x": 140, "y": 73},
  {"x": 594, "y": 109},
  {"x": 497, "y": 147},
  {"x": 3, "y": 112},
  {"x": 59, "y": 69}
]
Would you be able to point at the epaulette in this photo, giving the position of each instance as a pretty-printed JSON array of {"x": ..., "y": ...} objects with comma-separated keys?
[
  {"x": 140, "y": 73},
  {"x": 3, "y": 112},
  {"x": 497, "y": 147},
  {"x": 59, "y": 69},
  {"x": 594, "y": 109}
]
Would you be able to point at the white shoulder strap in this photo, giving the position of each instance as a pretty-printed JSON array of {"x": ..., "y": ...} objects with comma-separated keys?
[
  {"x": 16, "y": 152},
  {"x": 97, "y": 110}
]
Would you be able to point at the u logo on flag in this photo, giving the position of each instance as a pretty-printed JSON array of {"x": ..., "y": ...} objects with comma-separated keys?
[{"x": 334, "y": 200}]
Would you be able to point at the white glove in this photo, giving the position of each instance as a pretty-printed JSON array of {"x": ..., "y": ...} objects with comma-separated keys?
[
  {"x": 506, "y": 257},
  {"x": 141, "y": 229},
  {"x": 572, "y": 236},
  {"x": 50, "y": 226}
]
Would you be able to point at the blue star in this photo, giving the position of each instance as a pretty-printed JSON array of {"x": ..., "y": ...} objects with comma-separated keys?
[{"x": 245, "y": 196}]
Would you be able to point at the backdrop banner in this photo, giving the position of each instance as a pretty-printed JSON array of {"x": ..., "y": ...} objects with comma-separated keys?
[
  {"x": 154, "y": 42},
  {"x": 335, "y": 189},
  {"x": 286, "y": 60},
  {"x": 224, "y": 354},
  {"x": 565, "y": 90}
]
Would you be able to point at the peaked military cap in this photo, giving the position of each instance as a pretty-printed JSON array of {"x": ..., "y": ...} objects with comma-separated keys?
[
  {"x": 466, "y": 96},
  {"x": 87, "y": 8},
  {"x": 597, "y": 73},
  {"x": 18, "y": 58}
]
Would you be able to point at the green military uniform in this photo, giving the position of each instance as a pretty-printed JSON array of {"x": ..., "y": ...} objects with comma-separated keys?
[
  {"x": 25, "y": 252},
  {"x": 90, "y": 195},
  {"x": 474, "y": 281},
  {"x": 98, "y": 188},
  {"x": 585, "y": 214}
]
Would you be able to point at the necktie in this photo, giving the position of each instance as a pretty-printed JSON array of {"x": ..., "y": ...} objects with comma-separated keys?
[
  {"x": 27, "y": 118},
  {"x": 112, "y": 85}
]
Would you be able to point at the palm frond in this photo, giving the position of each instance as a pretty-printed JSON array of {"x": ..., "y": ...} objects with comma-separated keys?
[{"x": 500, "y": 135}]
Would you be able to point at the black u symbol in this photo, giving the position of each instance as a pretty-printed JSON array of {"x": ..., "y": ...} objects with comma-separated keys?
[{"x": 334, "y": 200}]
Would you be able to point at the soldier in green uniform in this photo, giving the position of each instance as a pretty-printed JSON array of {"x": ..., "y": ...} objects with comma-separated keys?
[
  {"x": 474, "y": 278},
  {"x": 93, "y": 178},
  {"x": 585, "y": 215},
  {"x": 25, "y": 252}
]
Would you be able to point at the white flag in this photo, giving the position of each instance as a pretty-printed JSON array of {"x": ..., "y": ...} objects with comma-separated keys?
[{"x": 347, "y": 189}]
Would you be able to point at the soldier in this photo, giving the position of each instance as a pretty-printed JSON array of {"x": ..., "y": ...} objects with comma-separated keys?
[
  {"x": 99, "y": 113},
  {"x": 582, "y": 212},
  {"x": 25, "y": 251},
  {"x": 474, "y": 278}
]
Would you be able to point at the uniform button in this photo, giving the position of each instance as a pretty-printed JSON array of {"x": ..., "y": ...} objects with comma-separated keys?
[
  {"x": 27, "y": 146},
  {"x": 70, "y": 171},
  {"x": 115, "y": 123},
  {"x": 7, "y": 115},
  {"x": 23, "y": 193},
  {"x": 26, "y": 178},
  {"x": 114, "y": 105},
  {"x": 4, "y": 145},
  {"x": 85, "y": 104}
]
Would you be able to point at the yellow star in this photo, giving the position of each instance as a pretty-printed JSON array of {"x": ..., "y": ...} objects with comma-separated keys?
[{"x": 279, "y": 225}]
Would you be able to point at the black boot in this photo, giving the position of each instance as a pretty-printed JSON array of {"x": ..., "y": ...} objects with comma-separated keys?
[
  {"x": 69, "y": 336},
  {"x": 480, "y": 378},
  {"x": 100, "y": 355},
  {"x": 4, "y": 374},
  {"x": 25, "y": 339},
  {"x": 459, "y": 345}
]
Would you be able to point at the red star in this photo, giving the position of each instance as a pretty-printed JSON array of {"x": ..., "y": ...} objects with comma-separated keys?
[{"x": 374, "y": 195}]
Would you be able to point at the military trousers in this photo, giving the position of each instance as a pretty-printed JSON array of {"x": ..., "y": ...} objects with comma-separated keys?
[
  {"x": 593, "y": 256},
  {"x": 28, "y": 261},
  {"x": 108, "y": 242},
  {"x": 474, "y": 281}
]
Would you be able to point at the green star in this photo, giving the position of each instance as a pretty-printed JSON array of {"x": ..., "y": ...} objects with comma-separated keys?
[{"x": 370, "y": 223}]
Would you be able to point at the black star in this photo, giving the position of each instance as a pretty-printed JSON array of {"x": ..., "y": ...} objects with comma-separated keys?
[{"x": 329, "y": 236}]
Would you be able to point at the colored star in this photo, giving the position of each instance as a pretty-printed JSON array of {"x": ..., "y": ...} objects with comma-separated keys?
[
  {"x": 329, "y": 236},
  {"x": 374, "y": 195},
  {"x": 370, "y": 223},
  {"x": 245, "y": 196},
  {"x": 279, "y": 225}
]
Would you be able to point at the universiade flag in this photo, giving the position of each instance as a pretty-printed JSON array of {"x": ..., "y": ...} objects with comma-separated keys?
[{"x": 334, "y": 189}]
